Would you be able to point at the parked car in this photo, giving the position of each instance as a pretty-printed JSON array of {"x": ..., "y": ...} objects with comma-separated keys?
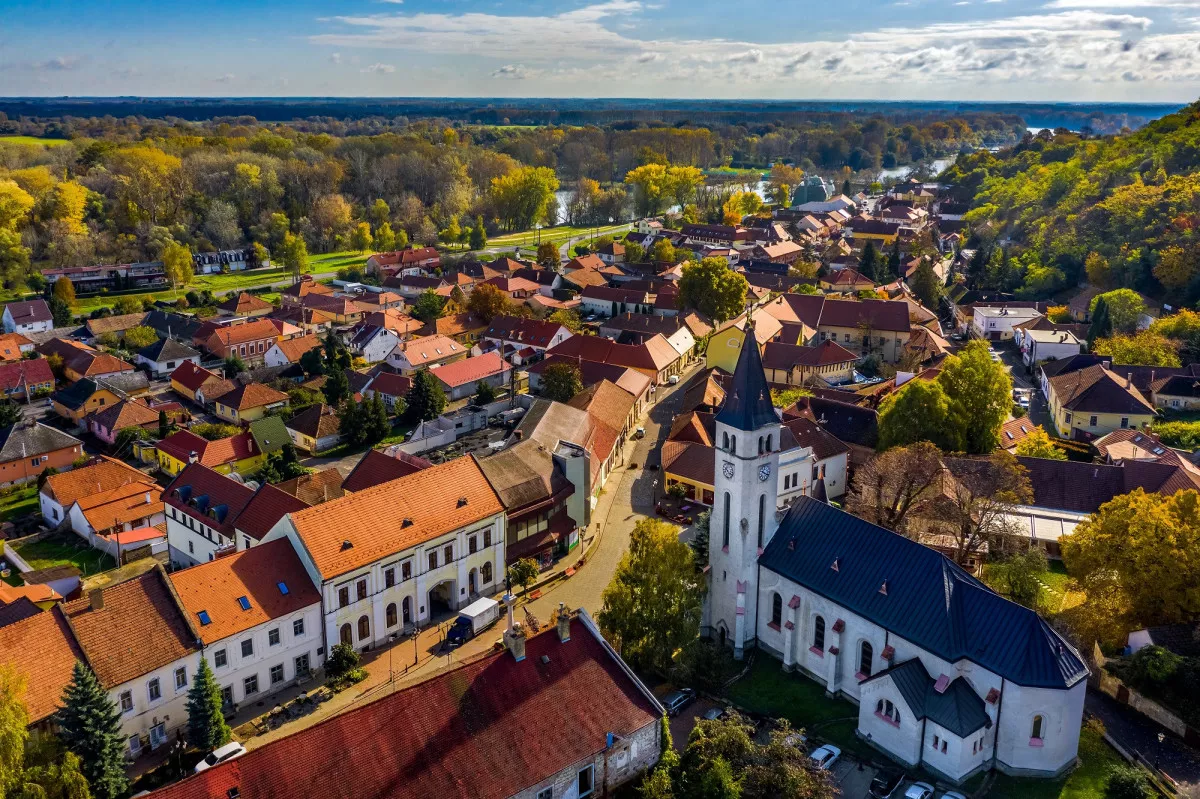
[
  {"x": 227, "y": 752},
  {"x": 886, "y": 783},
  {"x": 919, "y": 790},
  {"x": 678, "y": 700},
  {"x": 713, "y": 713},
  {"x": 825, "y": 756},
  {"x": 673, "y": 379}
]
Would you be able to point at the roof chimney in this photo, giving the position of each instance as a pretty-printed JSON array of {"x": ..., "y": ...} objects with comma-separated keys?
[
  {"x": 148, "y": 498},
  {"x": 192, "y": 457},
  {"x": 564, "y": 623},
  {"x": 514, "y": 640},
  {"x": 97, "y": 598},
  {"x": 1128, "y": 379}
]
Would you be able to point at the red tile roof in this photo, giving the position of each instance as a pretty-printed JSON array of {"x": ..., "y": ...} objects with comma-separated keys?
[
  {"x": 245, "y": 332},
  {"x": 244, "y": 304},
  {"x": 268, "y": 505},
  {"x": 355, "y": 530},
  {"x": 180, "y": 444},
  {"x": 252, "y": 395},
  {"x": 44, "y": 650},
  {"x": 145, "y": 604},
  {"x": 204, "y": 494},
  {"x": 255, "y": 574},
  {"x": 489, "y": 729},
  {"x": 377, "y": 467},
  {"x": 654, "y": 354},
  {"x": 132, "y": 502},
  {"x": 471, "y": 370},
  {"x": 95, "y": 478},
  {"x": 191, "y": 376},
  {"x": 19, "y": 374},
  {"x": 294, "y": 348},
  {"x": 391, "y": 384}
]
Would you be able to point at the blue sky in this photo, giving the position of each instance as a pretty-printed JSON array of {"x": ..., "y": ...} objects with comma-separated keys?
[{"x": 1078, "y": 50}]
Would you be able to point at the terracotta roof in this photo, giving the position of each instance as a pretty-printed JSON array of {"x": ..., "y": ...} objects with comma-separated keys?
[
  {"x": 293, "y": 348},
  {"x": 256, "y": 574},
  {"x": 245, "y": 332},
  {"x": 146, "y": 604},
  {"x": 18, "y": 610},
  {"x": 695, "y": 426},
  {"x": 11, "y": 344},
  {"x": 103, "y": 475},
  {"x": 654, "y": 354},
  {"x": 180, "y": 444},
  {"x": 391, "y": 384},
  {"x": 787, "y": 356},
  {"x": 430, "y": 349},
  {"x": 268, "y": 505},
  {"x": 379, "y": 298},
  {"x": 191, "y": 376},
  {"x": 457, "y": 324},
  {"x": 38, "y": 592},
  {"x": 377, "y": 467},
  {"x": 305, "y": 287},
  {"x": 816, "y": 310},
  {"x": 690, "y": 460},
  {"x": 472, "y": 370},
  {"x": 114, "y": 324},
  {"x": 413, "y": 255},
  {"x": 1014, "y": 431},
  {"x": 117, "y": 506},
  {"x": 537, "y": 333},
  {"x": 332, "y": 304},
  {"x": 317, "y": 421},
  {"x": 245, "y": 303},
  {"x": 90, "y": 363},
  {"x": 1096, "y": 389},
  {"x": 582, "y": 278},
  {"x": 126, "y": 413},
  {"x": 393, "y": 320},
  {"x": 315, "y": 488},
  {"x": 252, "y": 395},
  {"x": 19, "y": 374},
  {"x": 43, "y": 648},
  {"x": 358, "y": 529},
  {"x": 488, "y": 729}
]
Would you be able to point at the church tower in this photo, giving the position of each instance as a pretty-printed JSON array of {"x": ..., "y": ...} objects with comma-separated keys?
[{"x": 747, "y": 439}]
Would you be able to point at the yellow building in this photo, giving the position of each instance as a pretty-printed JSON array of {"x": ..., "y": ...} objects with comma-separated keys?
[
  {"x": 794, "y": 365},
  {"x": 238, "y": 453},
  {"x": 190, "y": 378},
  {"x": 1093, "y": 402},
  {"x": 81, "y": 398},
  {"x": 249, "y": 402},
  {"x": 726, "y": 343}
]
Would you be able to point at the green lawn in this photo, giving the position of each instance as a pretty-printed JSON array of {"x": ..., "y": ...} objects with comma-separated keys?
[
  {"x": 19, "y": 503},
  {"x": 61, "y": 550},
  {"x": 33, "y": 140},
  {"x": 1088, "y": 781},
  {"x": 557, "y": 235}
]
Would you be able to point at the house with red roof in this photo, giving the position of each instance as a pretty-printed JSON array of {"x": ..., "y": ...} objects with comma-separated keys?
[
  {"x": 425, "y": 352},
  {"x": 24, "y": 379},
  {"x": 237, "y": 453},
  {"x": 654, "y": 357},
  {"x": 554, "y": 714},
  {"x": 248, "y": 340},
  {"x": 390, "y": 386},
  {"x": 190, "y": 378},
  {"x": 413, "y": 261},
  {"x": 462, "y": 378}
]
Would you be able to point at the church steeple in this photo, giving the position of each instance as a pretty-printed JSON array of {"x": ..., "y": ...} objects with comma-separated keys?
[{"x": 747, "y": 403}]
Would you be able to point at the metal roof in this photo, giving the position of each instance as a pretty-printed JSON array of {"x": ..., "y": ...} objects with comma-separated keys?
[
  {"x": 930, "y": 601},
  {"x": 747, "y": 403},
  {"x": 956, "y": 707}
]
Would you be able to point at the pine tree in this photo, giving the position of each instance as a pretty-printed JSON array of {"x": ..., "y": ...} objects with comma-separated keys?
[
  {"x": 894, "y": 265},
  {"x": 374, "y": 419},
  {"x": 207, "y": 729},
  {"x": 867, "y": 264},
  {"x": 90, "y": 726},
  {"x": 336, "y": 388},
  {"x": 426, "y": 399},
  {"x": 1101, "y": 324}
]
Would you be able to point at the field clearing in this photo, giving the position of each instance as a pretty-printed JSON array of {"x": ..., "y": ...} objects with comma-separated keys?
[
  {"x": 33, "y": 140},
  {"x": 556, "y": 235}
]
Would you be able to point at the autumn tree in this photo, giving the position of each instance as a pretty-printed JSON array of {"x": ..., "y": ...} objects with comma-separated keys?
[
  {"x": 523, "y": 196},
  {"x": 32, "y": 766},
  {"x": 64, "y": 291},
  {"x": 652, "y": 606},
  {"x": 1144, "y": 348},
  {"x": 1125, "y": 306},
  {"x": 547, "y": 255},
  {"x": 15, "y": 205},
  {"x": 361, "y": 238},
  {"x": 1038, "y": 444},
  {"x": 1177, "y": 268},
  {"x": 1099, "y": 271},
  {"x": 972, "y": 506},
  {"x": 886, "y": 488},
  {"x": 1142, "y": 551},
  {"x": 561, "y": 381},
  {"x": 478, "y": 238},
  {"x": 178, "y": 265},
  {"x": 384, "y": 238},
  {"x": 295, "y": 255},
  {"x": 713, "y": 289},
  {"x": 487, "y": 302},
  {"x": 140, "y": 337},
  {"x": 1020, "y": 576},
  {"x": 568, "y": 318},
  {"x": 522, "y": 572},
  {"x": 1183, "y": 327},
  {"x": 980, "y": 396}
]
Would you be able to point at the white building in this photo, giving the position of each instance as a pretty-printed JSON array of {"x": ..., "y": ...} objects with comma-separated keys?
[
  {"x": 929, "y": 654},
  {"x": 401, "y": 553},
  {"x": 259, "y": 618},
  {"x": 1046, "y": 345},
  {"x": 996, "y": 324},
  {"x": 372, "y": 343},
  {"x": 165, "y": 355},
  {"x": 32, "y": 316}
]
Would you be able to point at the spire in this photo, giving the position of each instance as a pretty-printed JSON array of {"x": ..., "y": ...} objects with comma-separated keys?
[{"x": 747, "y": 403}]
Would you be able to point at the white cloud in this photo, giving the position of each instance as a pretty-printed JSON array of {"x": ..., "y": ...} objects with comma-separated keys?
[
  {"x": 335, "y": 58},
  {"x": 62, "y": 63},
  {"x": 1121, "y": 4},
  {"x": 380, "y": 69},
  {"x": 228, "y": 77},
  {"x": 593, "y": 46}
]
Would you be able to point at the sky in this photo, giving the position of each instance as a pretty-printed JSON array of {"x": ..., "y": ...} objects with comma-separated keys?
[{"x": 978, "y": 50}]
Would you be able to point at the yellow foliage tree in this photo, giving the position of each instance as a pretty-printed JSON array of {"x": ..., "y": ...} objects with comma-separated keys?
[{"x": 70, "y": 201}]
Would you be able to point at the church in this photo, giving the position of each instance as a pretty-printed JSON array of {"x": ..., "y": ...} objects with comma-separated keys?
[{"x": 946, "y": 673}]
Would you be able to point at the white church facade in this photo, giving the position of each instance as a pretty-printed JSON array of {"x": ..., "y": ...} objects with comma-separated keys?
[{"x": 946, "y": 673}]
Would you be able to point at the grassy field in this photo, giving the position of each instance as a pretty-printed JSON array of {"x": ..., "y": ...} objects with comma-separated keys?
[
  {"x": 19, "y": 503},
  {"x": 1086, "y": 782},
  {"x": 33, "y": 140},
  {"x": 557, "y": 235},
  {"x": 61, "y": 550}
]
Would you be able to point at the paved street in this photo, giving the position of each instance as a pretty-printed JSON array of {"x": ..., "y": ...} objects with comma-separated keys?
[{"x": 1137, "y": 733}]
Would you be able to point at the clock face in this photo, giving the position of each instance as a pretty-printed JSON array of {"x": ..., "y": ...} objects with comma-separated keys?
[
  {"x": 727, "y": 470},
  {"x": 764, "y": 472}
]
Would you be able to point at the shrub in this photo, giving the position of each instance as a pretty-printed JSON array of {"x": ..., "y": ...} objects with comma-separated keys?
[
  {"x": 1128, "y": 782},
  {"x": 343, "y": 661}
]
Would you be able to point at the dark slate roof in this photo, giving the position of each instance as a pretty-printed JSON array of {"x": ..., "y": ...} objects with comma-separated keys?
[
  {"x": 76, "y": 394},
  {"x": 167, "y": 349},
  {"x": 850, "y": 423},
  {"x": 747, "y": 404},
  {"x": 957, "y": 708},
  {"x": 929, "y": 600},
  {"x": 27, "y": 439},
  {"x": 1084, "y": 487},
  {"x": 1182, "y": 639},
  {"x": 172, "y": 325}
]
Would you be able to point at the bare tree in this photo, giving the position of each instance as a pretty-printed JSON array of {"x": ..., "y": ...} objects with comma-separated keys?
[
  {"x": 893, "y": 483},
  {"x": 975, "y": 497}
]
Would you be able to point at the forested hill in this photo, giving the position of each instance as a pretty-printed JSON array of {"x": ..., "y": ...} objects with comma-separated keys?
[{"x": 1119, "y": 211}]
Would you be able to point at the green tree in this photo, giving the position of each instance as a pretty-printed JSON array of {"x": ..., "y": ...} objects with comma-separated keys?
[
  {"x": 343, "y": 659},
  {"x": 380, "y": 213},
  {"x": 868, "y": 263},
  {"x": 139, "y": 337},
  {"x": 207, "y": 729},
  {"x": 337, "y": 387},
  {"x": 1128, "y": 782},
  {"x": 714, "y": 289},
  {"x": 485, "y": 392},
  {"x": 385, "y": 238},
  {"x": 451, "y": 233},
  {"x": 926, "y": 286},
  {"x": 127, "y": 305},
  {"x": 426, "y": 399},
  {"x": 164, "y": 425},
  {"x": 1038, "y": 444},
  {"x": 64, "y": 291},
  {"x": 10, "y": 413},
  {"x": 895, "y": 265},
  {"x": 478, "y": 238},
  {"x": 1144, "y": 348},
  {"x": 89, "y": 725},
  {"x": 523, "y": 196},
  {"x": 919, "y": 411},
  {"x": 14, "y": 261},
  {"x": 652, "y": 607},
  {"x": 361, "y": 238},
  {"x": 32, "y": 767},
  {"x": 295, "y": 255},
  {"x": 375, "y": 422},
  {"x": 980, "y": 394},
  {"x": 561, "y": 381},
  {"x": 568, "y": 318},
  {"x": 523, "y": 572},
  {"x": 313, "y": 362},
  {"x": 547, "y": 255},
  {"x": 350, "y": 423},
  {"x": 1101, "y": 326},
  {"x": 1124, "y": 308},
  {"x": 1020, "y": 577},
  {"x": 429, "y": 306},
  {"x": 61, "y": 313},
  {"x": 177, "y": 265}
]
